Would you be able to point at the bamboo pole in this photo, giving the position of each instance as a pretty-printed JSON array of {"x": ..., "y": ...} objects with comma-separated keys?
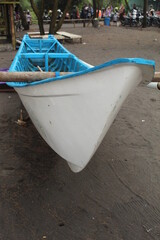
[
  {"x": 28, "y": 76},
  {"x": 37, "y": 76},
  {"x": 156, "y": 77}
]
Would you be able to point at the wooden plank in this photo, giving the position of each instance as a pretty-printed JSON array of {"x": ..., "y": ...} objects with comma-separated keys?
[
  {"x": 70, "y": 36},
  {"x": 39, "y": 36},
  {"x": 60, "y": 36},
  {"x": 36, "y": 33}
]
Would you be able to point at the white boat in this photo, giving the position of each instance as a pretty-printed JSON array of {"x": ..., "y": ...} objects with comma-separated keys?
[{"x": 74, "y": 112}]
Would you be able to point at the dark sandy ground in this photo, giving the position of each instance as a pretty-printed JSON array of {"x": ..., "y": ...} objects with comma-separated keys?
[{"x": 117, "y": 196}]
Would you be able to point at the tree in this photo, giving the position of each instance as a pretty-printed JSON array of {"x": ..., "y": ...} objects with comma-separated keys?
[
  {"x": 144, "y": 13},
  {"x": 54, "y": 24},
  {"x": 94, "y": 8},
  {"x": 38, "y": 8},
  {"x": 61, "y": 4},
  {"x": 127, "y": 5}
]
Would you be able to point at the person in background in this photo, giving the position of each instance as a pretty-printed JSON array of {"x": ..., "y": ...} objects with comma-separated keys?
[
  {"x": 103, "y": 13},
  {"x": 134, "y": 11},
  {"x": 151, "y": 14},
  {"x": 90, "y": 11},
  {"x": 75, "y": 12},
  {"x": 18, "y": 22},
  {"x": 28, "y": 18},
  {"x": 84, "y": 11},
  {"x": 50, "y": 14},
  {"x": 115, "y": 15},
  {"x": 121, "y": 12},
  {"x": 151, "y": 11},
  {"x": 108, "y": 11}
]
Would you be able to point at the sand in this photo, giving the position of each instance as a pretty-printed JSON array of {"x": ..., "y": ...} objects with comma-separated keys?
[{"x": 117, "y": 195}]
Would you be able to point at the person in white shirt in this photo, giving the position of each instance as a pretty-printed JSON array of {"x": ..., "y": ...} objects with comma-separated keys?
[{"x": 28, "y": 18}]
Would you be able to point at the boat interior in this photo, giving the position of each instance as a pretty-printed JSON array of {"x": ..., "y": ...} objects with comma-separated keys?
[{"x": 45, "y": 55}]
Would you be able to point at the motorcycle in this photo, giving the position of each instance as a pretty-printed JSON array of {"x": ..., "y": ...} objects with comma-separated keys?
[
  {"x": 154, "y": 21},
  {"x": 125, "y": 20},
  {"x": 134, "y": 19},
  {"x": 137, "y": 19}
]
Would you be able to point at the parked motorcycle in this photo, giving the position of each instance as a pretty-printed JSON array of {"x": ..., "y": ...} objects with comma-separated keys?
[
  {"x": 154, "y": 21},
  {"x": 125, "y": 20},
  {"x": 135, "y": 19}
]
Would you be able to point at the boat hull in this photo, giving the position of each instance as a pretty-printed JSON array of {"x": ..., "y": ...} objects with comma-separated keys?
[{"x": 73, "y": 115}]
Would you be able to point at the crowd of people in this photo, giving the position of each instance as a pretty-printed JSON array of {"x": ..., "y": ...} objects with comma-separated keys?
[
  {"x": 87, "y": 11},
  {"x": 115, "y": 14}
]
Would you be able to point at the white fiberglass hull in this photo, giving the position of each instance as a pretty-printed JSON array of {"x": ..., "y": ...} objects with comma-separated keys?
[{"x": 74, "y": 114}]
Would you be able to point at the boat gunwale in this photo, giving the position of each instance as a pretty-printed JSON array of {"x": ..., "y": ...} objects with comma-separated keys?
[{"x": 89, "y": 68}]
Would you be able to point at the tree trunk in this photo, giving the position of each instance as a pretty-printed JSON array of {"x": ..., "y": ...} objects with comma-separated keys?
[
  {"x": 40, "y": 24},
  {"x": 127, "y": 5},
  {"x": 53, "y": 17},
  {"x": 144, "y": 13},
  {"x": 54, "y": 25},
  {"x": 38, "y": 10},
  {"x": 94, "y": 8},
  {"x": 60, "y": 22}
]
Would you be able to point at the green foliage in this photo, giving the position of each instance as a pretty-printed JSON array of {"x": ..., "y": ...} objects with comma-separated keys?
[
  {"x": 114, "y": 3},
  {"x": 25, "y": 4},
  {"x": 33, "y": 17},
  {"x": 62, "y": 4}
]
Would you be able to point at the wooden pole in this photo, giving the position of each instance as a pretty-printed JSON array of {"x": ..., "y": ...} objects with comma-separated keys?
[
  {"x": 37, "y": 76},
  {"x": 28, "y": 76},
  {"x": 12, "y": 28},
  {"x": 156, "y": 77}
]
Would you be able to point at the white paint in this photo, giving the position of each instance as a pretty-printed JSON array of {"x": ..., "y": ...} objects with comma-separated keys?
[{"x": 73, "y": 115}]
